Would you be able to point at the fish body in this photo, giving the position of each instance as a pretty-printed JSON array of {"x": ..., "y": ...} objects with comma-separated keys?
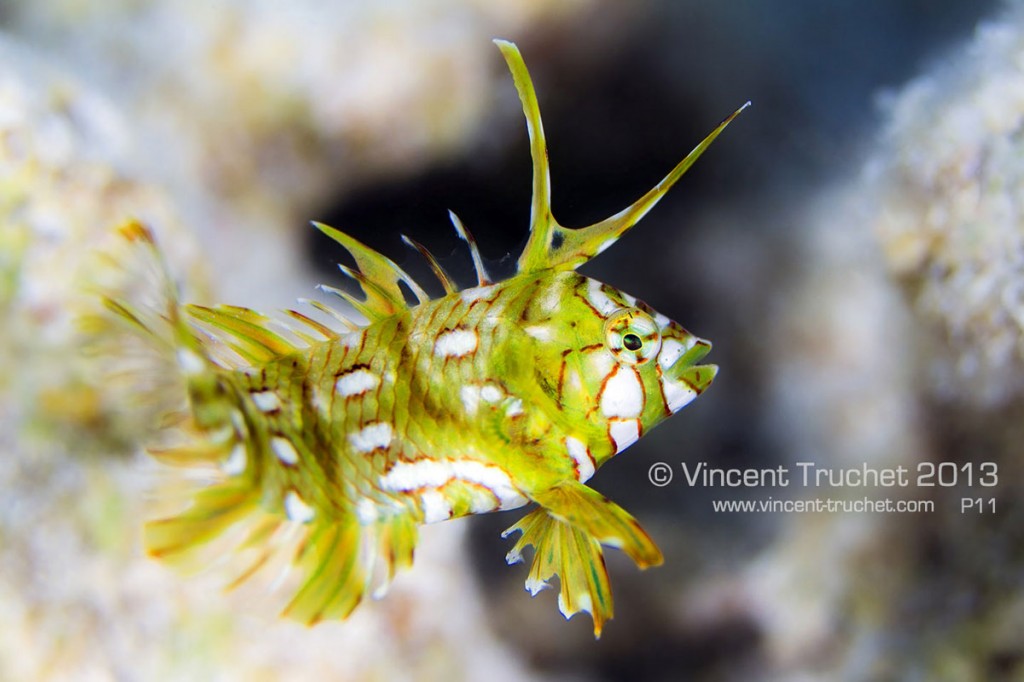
[{"x": 488, "y": 398}]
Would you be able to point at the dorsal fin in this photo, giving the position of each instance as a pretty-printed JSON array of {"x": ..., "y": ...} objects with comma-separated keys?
[
  {"x": 332, "y": 313},
  {"x": 551, "y": 245},
  {"x": 439, "y": 272},
  {"x": 245, "y": 331},
  {"x": 378, "y": 277},
  {"x": 482, "y": 278}
]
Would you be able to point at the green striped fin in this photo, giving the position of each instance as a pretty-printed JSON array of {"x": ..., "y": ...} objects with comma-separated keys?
[
  {"x": 213, "y": 511},
  {"x": 599, "y": 517},
  {"x": 335, "y": 561},
  {"x": 551, "y": 245},
  {"x": 337, "y": 565},
  {"x": 567, "y": 533},
  {"x": 575, "y": 557},
  {"x": 377, "y": 275}
]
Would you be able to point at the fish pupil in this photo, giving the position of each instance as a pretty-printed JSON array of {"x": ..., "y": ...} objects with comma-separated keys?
[{"x": 632, "y": 342}]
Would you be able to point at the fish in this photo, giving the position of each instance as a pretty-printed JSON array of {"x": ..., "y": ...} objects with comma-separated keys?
[{"x": 325, "y": 445}]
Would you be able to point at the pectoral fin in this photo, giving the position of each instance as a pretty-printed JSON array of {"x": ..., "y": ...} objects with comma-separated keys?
[
  {"x": 575, "y": 557},
  {"x": 608, "y": 523},
  {"x": 567, "y": 533}
]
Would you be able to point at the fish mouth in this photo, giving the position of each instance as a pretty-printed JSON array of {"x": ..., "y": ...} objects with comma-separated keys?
[{"x": 684, "y": 380}]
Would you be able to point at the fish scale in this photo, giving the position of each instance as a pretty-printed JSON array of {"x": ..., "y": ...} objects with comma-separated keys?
[
  {"x": 352, "y": 413},
  {"x": 326, "y": 449}
]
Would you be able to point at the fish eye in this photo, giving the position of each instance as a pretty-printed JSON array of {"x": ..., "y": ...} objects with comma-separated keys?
[{"x": 632, "y": 336}]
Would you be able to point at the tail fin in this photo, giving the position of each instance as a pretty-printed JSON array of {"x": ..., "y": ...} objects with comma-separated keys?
[
  {"x": 226, "y": 513},
  {"x": 145, "y": 295},
  {"x": 135, "y": 333},
  {"x": 137, "y": 287},
  {"x": 201, "y": 342},
  {"x": 323, "y": 568}
]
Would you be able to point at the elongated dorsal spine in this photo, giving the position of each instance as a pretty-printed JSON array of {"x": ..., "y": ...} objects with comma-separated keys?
[{"x": 552, "y": 245}]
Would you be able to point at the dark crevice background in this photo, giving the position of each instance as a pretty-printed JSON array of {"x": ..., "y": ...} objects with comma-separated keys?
[{"x": 619, "y": 112}]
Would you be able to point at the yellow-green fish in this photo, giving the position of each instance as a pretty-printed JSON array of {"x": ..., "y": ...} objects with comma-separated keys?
[{"x": 329, "y": 447}]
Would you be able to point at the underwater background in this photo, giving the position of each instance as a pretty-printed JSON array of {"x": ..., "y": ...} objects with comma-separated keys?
[{"x": 852, "y": 245}]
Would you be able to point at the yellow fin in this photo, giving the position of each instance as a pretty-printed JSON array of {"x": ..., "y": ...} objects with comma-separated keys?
[
  {"x": 146, "y": 296},
  {"x": 551, "y": 245},
  {"x": 333, "y": 580},
  {"x": 575, "y": 557},
  {"x": 337, "y": 560},
  {"x": 245, "y": 331},
  {"x": 330, "y": 562},
  {"x": 378, "y": 276},
  {"x": 396, "y": 543},
  {"x": 596, "y": 515},
  {"x": 567, "y": 533},
  {"x": 212, "y": 512}
]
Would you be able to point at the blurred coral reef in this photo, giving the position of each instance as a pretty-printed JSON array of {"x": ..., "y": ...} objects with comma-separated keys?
[
  {"x": 907, "y": 323},
  {"x": 950, "y": 182},
  {"x": 872, "y": 319}
]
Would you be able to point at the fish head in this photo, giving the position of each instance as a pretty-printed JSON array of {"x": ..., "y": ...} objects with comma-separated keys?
[{"x": 612, "y": 366}]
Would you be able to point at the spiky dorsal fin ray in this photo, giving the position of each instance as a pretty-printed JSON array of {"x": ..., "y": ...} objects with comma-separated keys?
[
  {"x": 332, "y": 313},
  {"x": 439, "y": 272},
  {"x": 323, "y": 330},
  {"x": 245, "y": 331},
  {"x": 550, "y": 245},
  {"x": 482, "y": 278},
  {"x": 378, "y": 276}
]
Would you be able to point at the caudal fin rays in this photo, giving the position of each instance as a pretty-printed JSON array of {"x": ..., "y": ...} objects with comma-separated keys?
[{"x": 320, "y": 570}]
